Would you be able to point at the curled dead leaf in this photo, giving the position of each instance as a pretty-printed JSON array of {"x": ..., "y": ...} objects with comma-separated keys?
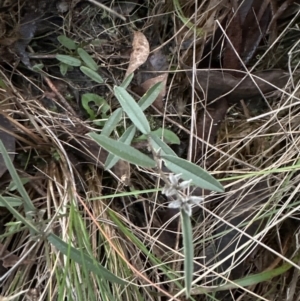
[{"x": 140, "y": 53}]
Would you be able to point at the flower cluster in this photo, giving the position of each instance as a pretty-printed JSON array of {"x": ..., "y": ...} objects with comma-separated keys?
[{"x": 175, "y": 189}]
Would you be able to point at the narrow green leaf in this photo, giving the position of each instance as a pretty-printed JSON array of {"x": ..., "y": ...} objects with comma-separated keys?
[
  {"x": 38, "y": 67},
  {"x": 122, "y": 194},
  {"x": 13, "y": 201},
  {"x": 158, "y": 144},
  {"x": 137, "y": 242},
  {"x": 83, "y": 259},
  {"x": 127, "y": 81},
  {"x": 190, "y": 171},
  {"x": 67, "y": 42},
  {"x": 123, "y": 151},
  {"x": 28, "y": 205},
  {"x": 92, "y": 74},
  {"x": 97, "y": 100},
  {"x": 125, "y": 138},
  {"x": 18, "y": 216},
  {"x": 88, "y": 60},
  {"x": 133, "y": 110},
  {"x": 188, "y": 250},
  {"x": 148, "y": 98},
  {"x": 3, "y": 85},
  {"x": 112, "y": 122},
  {"x": 63, "y": 68},
  {"x": 69, "y": 60},
  {"x": 14, "y": 186},
  {"x": 168, "y": 136}
]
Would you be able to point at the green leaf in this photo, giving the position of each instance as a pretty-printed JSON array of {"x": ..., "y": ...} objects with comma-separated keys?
[
  {"x": 168, "y": 136},
  {"x": 127, "y": 81},
  {"x": 13, "y": 201},
  {"x": 191, "y": 171},
  {"x": 38, "y": 67},
  {"x": 88, "y": 60},
  {"x": 123, "y": 151},
  {"x": 112, "y": 122},
  {"x": 188, "y": 250},
  {"x": 125, "y": 138},
  {"x": 130, "y": 235},
  {"x": 133, "y": 110},
  {"x": 92, "y": 74},
  {"x": 68, "y": 60},
  {"x": 98, "y": 100},
  {"x": 158, "y": 144},
  {"x": 148, "y": 98},
  {"x": 63, "y": 68},
  {"x": 3, "y": 85},
  {"x": 18, "y": 216},
  {"x": 28, "y": 205},
  {"x": 66, "y": 42},
  {"x": 83, "y": 259},
  {"x": 14, "y": 186}
]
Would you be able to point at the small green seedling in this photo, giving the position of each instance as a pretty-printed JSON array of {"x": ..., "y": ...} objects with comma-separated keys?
[{"x": 77, "y": 57}]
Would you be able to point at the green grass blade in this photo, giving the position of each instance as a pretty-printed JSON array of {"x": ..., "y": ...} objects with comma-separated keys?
[
  {"x": 154, "y": 260},
  {"x": 122, "y": 194},
  {"x": 28, "y": 205},
  {"x": 84, "y": 259},
  {"x": 18, "y": 216}
]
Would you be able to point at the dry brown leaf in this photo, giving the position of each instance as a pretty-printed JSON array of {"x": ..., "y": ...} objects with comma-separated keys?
[
  {"x": 140, "y": 53},
  {"x": 122, "y": 171},
  {"x": 10, "y": 259},
  {"x": 237, "y": 88}
]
